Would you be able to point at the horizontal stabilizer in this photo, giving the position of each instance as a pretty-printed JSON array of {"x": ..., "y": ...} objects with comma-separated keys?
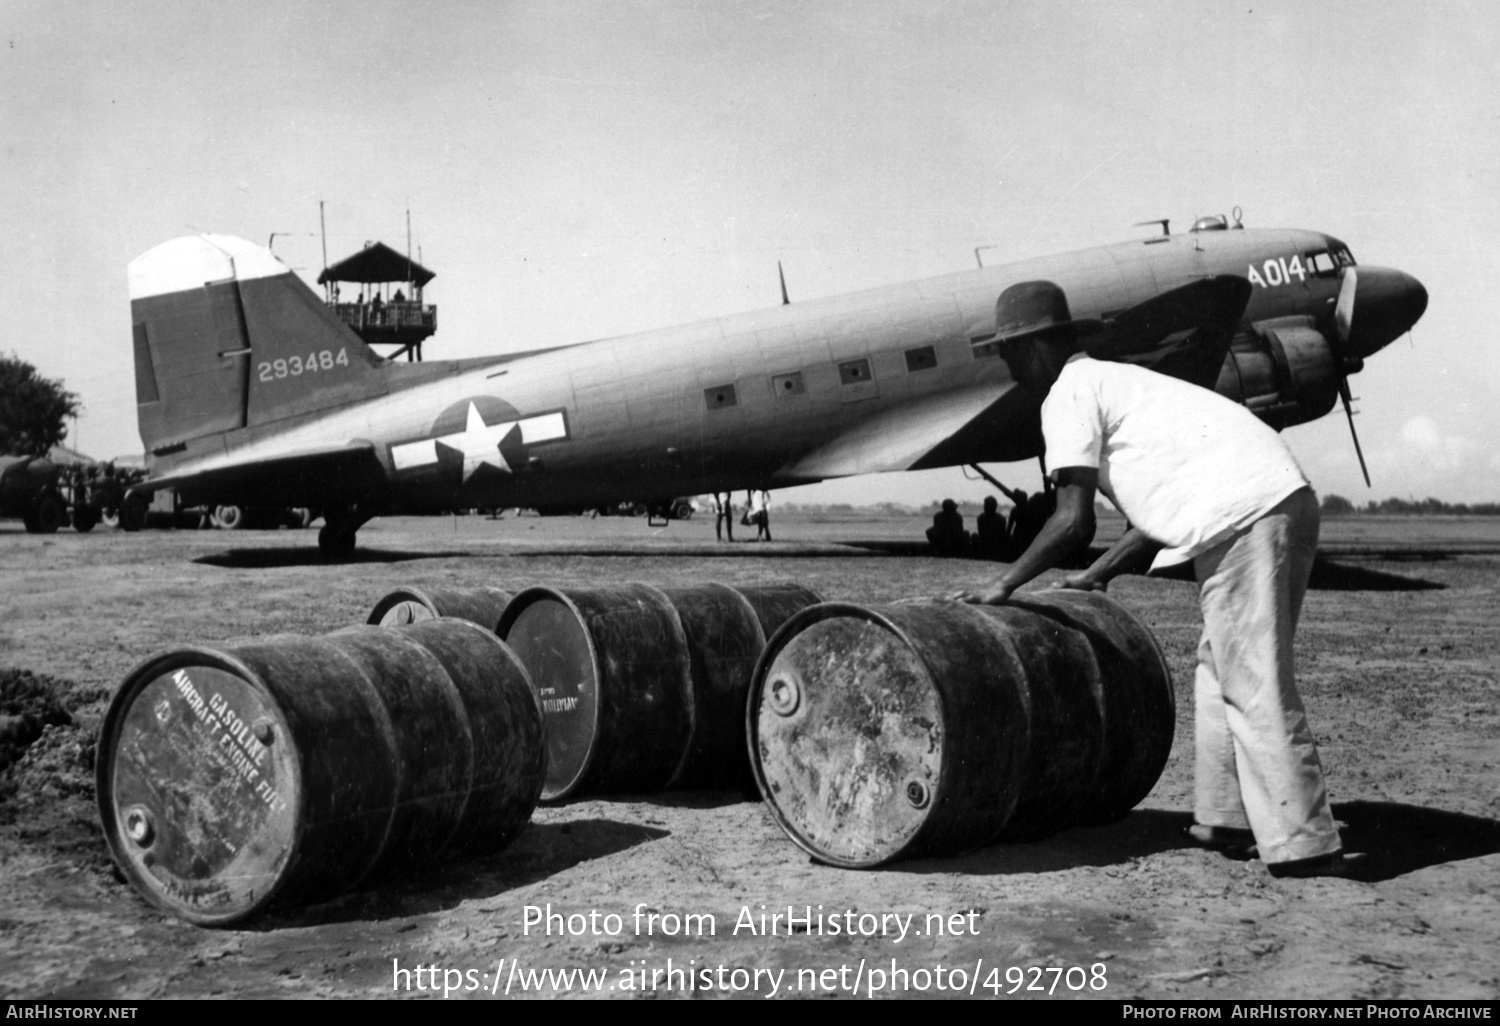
[{"x": 330, "y": 475}]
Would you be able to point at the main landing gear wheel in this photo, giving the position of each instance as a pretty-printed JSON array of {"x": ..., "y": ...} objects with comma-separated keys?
[
  {"x": 336, "y": 540},
  {"x": 133, "y": 512}
]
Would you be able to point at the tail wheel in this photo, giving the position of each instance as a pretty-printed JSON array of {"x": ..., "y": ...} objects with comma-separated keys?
[{"x": 133, "y": 512}]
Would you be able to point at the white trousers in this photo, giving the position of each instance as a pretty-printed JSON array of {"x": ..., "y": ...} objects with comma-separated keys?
[{"x": 1257, "y": 764}]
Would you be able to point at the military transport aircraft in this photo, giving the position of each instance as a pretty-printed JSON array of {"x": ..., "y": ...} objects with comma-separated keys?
[{"x": 251, "y": 391}]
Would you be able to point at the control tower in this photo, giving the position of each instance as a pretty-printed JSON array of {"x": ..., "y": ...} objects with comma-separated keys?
[{"x": 386, "y": 307}]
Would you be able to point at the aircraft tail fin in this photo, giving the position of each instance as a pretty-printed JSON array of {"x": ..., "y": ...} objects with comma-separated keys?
[{"x": 227, "y": 337}]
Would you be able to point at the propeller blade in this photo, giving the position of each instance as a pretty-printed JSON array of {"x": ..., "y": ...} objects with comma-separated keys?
[
  {"x": 1343, "y": 311},
  {"x": 1349, "y": 412},
  {"x": 1343, "y": 319}
]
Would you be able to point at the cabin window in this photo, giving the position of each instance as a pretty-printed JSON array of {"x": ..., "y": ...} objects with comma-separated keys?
[
  {"x": 719, "y": 397},
  {"x": 854, "y": 372},
  {"x": 987, "y": 351},
  {"x": 1343, "y": 257},
  {"x": 787, "y": 384},
  {"x": 923, "y": 358}
]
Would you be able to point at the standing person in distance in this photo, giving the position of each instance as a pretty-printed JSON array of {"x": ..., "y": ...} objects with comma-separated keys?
[
  {"x": 762, "y": 515},
  {"x": 724, "y": 515}
]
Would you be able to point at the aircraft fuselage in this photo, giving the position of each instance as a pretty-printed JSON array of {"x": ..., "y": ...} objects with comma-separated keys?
[{"x": 885, "y": 379}]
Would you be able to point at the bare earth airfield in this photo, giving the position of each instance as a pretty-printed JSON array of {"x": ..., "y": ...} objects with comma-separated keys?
[{"x": 1399, "y": 663}]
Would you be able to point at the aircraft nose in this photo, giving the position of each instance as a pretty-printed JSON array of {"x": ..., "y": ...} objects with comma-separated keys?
[{"x": 1387, "y": 303}]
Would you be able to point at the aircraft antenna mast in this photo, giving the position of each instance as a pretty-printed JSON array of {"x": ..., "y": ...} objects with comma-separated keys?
[
  {"x": 782, "y": 275},
  {"x": 323, "y": 228}
]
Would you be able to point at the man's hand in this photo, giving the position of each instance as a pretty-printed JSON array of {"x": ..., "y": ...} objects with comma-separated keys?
[
  {"x": 1131, "y": 554},
  {"x": 995, "y": 595},
  {"x": 1081, "y": 580},
  {"x": 1070, "y": 526}
]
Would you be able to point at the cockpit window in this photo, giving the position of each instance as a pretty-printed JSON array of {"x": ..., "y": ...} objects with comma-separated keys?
[
  {"x": 1321, "y": 263},
  {"x": 1327, "y": 263}
]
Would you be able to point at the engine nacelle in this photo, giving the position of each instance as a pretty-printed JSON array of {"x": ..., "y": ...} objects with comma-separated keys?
[{"x": 1284, "y": 371}]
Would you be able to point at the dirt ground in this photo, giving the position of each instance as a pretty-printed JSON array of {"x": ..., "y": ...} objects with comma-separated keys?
[{"x": 1399, "y": 661}]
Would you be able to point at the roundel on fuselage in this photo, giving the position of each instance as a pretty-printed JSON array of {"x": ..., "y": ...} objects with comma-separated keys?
[{"x": 455, "y": 418}]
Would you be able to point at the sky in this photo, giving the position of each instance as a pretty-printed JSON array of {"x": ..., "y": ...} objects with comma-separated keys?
[{"x": 580, "y": 170}]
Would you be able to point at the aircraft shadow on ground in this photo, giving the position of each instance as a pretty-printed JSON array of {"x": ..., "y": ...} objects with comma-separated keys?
[
  {"x": 1330, "y": 576},
  {"x": 630, "y": 550},
  {"x": 271, "y": 559},
  {"x": 1384, "y": 839},
  {"x": 1142, "y": 833},
  {"x": 542, "y": 850},
  {"x": 276, "y": 558},
  {"x": 701, "y": 799},
  {"x": 896, "y": 547},
  {"x": 1326, "y": 574},
  {"x": 1390, "y": 839}
]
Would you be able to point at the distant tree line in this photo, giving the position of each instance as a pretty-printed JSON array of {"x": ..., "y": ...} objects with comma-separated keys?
[
  {"x": 1333, "y": 506},
  {"x": 33, "y": 409},
  {"x": 1338, "y": 506},
  {"x": 896, "y": 509}
]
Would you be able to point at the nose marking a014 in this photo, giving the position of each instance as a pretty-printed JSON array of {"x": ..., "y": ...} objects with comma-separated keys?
[{"x": 1277, "y": 271}]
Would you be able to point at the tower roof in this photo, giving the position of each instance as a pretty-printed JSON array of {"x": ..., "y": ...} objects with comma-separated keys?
[{"x": 377, "y": 262}]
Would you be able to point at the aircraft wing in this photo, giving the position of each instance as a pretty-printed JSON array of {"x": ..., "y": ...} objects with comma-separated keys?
[
  {"x": 1184, "y": 332},
  {"x": 336, "y": 474},
  {"x": 897, "y": 439}
]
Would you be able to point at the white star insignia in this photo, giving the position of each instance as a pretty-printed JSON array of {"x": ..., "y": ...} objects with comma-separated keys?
[{"x": 480, "y": 443}]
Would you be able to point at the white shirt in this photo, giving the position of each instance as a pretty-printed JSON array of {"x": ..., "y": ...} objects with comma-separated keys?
[{"x": 1185, "y": 465}]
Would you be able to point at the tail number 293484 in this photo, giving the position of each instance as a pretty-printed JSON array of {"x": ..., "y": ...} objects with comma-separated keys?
[{"x": 296, "y": 366}]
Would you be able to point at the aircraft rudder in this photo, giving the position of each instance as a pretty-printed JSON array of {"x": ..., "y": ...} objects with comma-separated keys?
[{"x": 189, "y": 345}]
